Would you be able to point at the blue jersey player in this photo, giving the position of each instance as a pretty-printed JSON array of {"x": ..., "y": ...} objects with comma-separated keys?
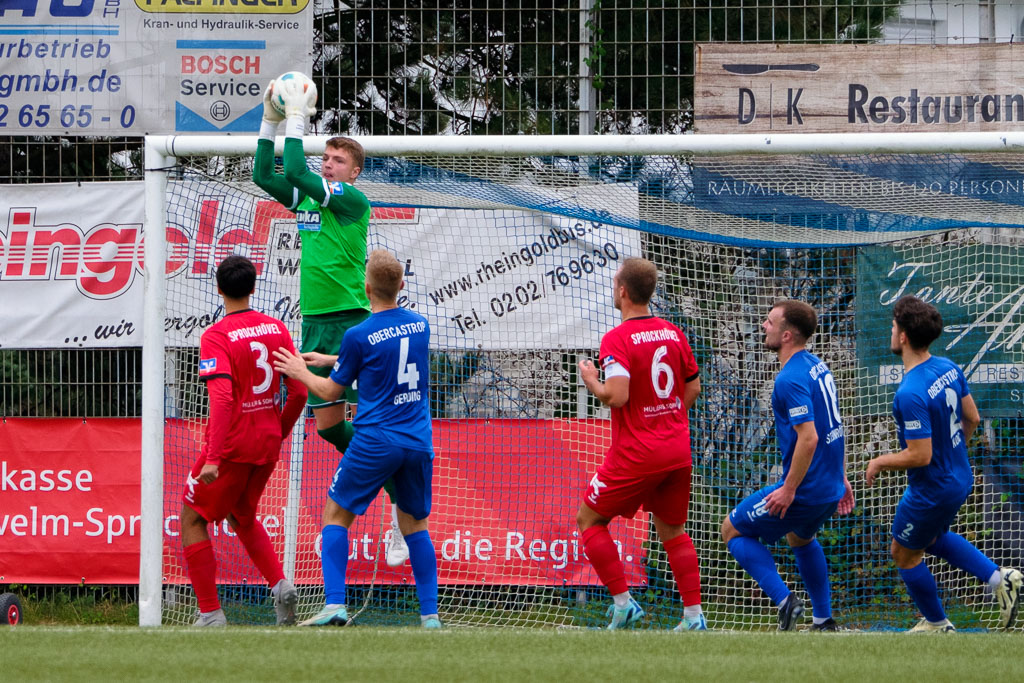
[
  {"x": 814, "y": 484},
  {"x": 935, "y": 417},
  {"x": 387, "y": 355}
]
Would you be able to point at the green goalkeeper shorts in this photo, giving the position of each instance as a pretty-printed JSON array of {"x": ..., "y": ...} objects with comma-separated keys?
[{"x": 323, "y": 334}]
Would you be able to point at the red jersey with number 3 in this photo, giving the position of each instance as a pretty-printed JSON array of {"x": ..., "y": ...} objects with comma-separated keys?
[
  {"x": 240, "y": 347},
  {"x": 651, "y": 432}
]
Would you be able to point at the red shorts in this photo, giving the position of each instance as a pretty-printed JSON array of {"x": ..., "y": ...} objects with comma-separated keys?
[
  {"x": 616, "y": 494},
  {"x": 236, "y": 491}
]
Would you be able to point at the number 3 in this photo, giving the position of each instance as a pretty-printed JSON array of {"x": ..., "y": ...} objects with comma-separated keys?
[{"x": 262, "y": 364}]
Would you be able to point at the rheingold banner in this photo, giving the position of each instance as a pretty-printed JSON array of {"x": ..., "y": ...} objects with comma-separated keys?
[
  {"x": 978, "y": 288},
  {"x": 71, "y": 268},
  {"x": 505, "y": 496}
]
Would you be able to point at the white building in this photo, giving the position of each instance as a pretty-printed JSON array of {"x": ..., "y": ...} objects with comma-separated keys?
[{"x": 957, "y": 23}]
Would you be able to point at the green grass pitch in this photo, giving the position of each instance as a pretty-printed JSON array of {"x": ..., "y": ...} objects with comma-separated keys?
[{"x": 31, "y": 653}]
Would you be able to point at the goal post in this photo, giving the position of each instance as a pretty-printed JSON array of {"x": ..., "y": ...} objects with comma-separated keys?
[{"x": 510, "y": 243}]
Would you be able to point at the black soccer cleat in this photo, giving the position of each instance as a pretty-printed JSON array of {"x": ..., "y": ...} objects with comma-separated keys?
[
  {"x": 790, "y": 613},
  {"x": 827, "y": 625}
]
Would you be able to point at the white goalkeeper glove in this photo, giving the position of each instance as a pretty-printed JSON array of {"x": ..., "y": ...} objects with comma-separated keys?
[
  {"x": 271, "y": 116},
  {"x": 298, "y": 105}
]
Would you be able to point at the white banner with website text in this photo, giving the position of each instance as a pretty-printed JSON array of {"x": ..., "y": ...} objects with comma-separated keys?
[{"x": 71, "y": 268}]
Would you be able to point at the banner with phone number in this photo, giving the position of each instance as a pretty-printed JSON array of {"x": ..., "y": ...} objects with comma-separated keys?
[
  {"x": 505, "y": 493},
  {"x": 86, "y": 67}
]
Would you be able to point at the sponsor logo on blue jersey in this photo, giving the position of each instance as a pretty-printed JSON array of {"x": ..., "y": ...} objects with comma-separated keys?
[
  {"x": 307, "y": 220},
  {"x": 912, "y": 424},
  {"x": 798, "y": 411},
  {"x": 207, "y": 365}
]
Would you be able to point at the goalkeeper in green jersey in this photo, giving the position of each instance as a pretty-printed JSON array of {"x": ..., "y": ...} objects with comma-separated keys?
[{"x": 333, "y": 219}]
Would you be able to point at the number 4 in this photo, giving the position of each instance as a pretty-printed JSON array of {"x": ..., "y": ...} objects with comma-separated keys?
[{"x": 407, "y": 373}]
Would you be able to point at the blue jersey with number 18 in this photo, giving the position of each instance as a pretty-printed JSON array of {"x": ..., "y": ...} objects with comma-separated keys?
[
  {"x": 804, "y": 391},
  {"x": 927, "y": 405},
  {"x": 388, "y": 354}
]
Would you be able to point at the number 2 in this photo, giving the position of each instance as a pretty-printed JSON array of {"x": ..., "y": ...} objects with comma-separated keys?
[
  {"x": 262, "y": 364},
  {"x": 954, "y": 424}
]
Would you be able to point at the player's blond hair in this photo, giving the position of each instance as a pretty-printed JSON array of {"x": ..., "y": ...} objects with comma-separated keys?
[
  {"x": 384, "y": 275},
  {"x": 640, "y": 277},
  {"x": 354, "y": 149}
]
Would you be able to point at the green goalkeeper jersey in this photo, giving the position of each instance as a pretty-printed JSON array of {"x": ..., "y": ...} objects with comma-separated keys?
[{"x": 333, "y": 220}]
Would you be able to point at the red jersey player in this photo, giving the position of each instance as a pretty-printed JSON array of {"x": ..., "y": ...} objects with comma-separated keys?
[
  {"x": 651, "y": 381},
  {"x": 242, "y": 443}
]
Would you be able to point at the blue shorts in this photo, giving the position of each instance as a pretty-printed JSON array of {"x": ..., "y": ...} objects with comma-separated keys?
[
  {"x": 917, "y": 523},
  {"x": 365, "y": 467},
  {"x": 751, "y": 517}
]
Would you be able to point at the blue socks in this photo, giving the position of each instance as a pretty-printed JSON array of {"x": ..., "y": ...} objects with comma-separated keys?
[
  {"x": 424, "y": 569},
  {"x": 922, "y": 589},
  {"x": 810, "y": 562},
  {"x": 962, "y": 554},
  {"x": 334, "y": 561},
  {"x": 758, "y": 562}
]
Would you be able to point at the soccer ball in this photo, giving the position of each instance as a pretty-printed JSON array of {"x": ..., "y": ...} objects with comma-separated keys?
[{"x": 275, "y": 99}]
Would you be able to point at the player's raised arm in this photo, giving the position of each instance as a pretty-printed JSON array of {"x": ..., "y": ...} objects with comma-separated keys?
[
  {"x": 613, "y": 392},
  {"x": 263, "y": 168}
]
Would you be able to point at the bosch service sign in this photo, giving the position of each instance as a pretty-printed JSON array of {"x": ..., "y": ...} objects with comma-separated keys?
[{"x": 135, "y": 67}]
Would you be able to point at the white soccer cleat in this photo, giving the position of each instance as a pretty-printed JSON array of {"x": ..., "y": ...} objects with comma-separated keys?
[
  {"x": 1008, "y": 595},
  {"x": 925, "y": 626},
  {"x": 329, "y": 615},
  {"x": 697, "y": 623},
  {"x": 214, "y": 619},
  {"x": 624, "y": 617},
  {"x": 284, "y": 603},
  {"x": 398, "y": 550}
]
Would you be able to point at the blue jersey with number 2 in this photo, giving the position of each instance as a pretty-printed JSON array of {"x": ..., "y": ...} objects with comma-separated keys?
[
  {"x": 388, "y": 354},
  {"x": 928, "y": 405},
  {"x": 804, "y": 391}
]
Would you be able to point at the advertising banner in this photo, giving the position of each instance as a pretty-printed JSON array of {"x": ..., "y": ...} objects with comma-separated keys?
[
  {"x": 71, "y": 268},
  {"x": 978, "y": 289},
  {"x": 849, "y": 88},
  {"x": 136, "y": 67},
  {"x": 503, "y": 506}
]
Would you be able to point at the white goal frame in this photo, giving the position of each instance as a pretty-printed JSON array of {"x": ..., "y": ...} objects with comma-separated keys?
[{"x": 161, "y": 151}]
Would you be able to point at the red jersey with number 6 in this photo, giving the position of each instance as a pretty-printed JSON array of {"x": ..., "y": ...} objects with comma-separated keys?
[
  {"x": 247, "y": 419},
  {"x": 651, "y": 432}
]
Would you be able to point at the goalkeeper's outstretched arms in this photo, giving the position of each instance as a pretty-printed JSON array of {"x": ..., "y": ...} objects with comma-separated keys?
[{"x": 263, "y": 169}]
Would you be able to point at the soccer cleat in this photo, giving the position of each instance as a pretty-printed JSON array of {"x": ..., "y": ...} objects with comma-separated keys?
[
  {"x": 624, "y": 617},
  {"x": 430, "y": 621},
  {"x": 1008, "y": 595},
  {"x": 790, "y": 613},
  {"x": 925, "y": 626},
  {"x": 697, "y": 623},
  {"x": 330, "y": 615},
  {"x": 284, "y": 603},
  {"x": 398, "y": 551},
  {"x": 827, "y": 625},
  {"x": 215, "y": 619}
]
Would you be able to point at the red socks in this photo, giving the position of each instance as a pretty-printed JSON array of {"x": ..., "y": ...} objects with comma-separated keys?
[
  {"x": 682, "y": 557},
  {"x": 202, "y": 569},
  {"x": 604, "y": 557},
  {"x": 257, "y": 544}
]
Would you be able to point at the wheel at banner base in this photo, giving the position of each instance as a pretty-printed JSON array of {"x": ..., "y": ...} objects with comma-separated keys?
[{"x": 10, "y": 609}]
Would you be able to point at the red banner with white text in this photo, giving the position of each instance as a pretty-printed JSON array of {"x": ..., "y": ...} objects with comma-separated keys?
[{"x": 505, "y": 494}]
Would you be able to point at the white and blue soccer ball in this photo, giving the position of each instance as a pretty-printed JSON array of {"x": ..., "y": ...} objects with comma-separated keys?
[{"x": 276, "y": 100}]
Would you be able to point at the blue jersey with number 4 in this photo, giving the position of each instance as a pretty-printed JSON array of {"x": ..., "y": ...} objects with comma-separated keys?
[
  {"x": 388, "y": 354},
  {"x": 804, "y": 391},
  {"x": 928, "y": 405}
]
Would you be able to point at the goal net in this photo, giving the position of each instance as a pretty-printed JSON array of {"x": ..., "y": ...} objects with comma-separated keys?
[{"x": 511, "y": 256}]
